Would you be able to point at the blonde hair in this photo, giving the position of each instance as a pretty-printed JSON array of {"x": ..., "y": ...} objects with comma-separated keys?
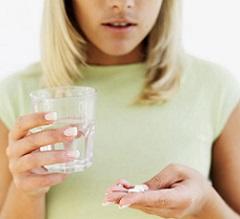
[{"x": 63, "y": 49}]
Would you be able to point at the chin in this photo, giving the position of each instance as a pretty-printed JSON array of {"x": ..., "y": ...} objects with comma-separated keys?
[{"x": 117, "y": 50}]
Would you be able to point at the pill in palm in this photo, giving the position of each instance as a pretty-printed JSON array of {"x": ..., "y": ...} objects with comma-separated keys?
[{"x": 139, "y": 188}]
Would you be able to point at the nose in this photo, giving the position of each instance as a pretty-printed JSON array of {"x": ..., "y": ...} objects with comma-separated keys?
[{"x": 122, "y": 4}]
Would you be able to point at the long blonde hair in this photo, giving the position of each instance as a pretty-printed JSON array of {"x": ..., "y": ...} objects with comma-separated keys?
[{"x": 63, "y": 50}]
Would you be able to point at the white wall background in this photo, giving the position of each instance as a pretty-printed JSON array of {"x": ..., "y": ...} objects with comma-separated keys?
[
  {"x": 19, "y": 34},
  {"x": 211, "y": 29}
]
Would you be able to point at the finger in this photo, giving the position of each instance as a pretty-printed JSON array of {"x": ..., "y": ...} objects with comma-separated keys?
[
  {"x": 35, "y": 141},
  {"x": 34, "y": 182},
  {"x": 30, "y": 121},
  {"x": 114, "y": 197},
  {"x": 39, "y": 159},
  {"x": 165, "y": 213},
  {"x": 169, "y": 176},
  {"x": 161, "y": 199},
  {"x": 125, "y": 183},
  {"x": 116, "y": 188},
  {"x": 41, "y": 170},
  {"x": 148, "y": 211}
]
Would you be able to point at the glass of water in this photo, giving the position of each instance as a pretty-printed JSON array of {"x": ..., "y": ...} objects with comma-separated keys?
[{"x": 75, "y": 107}]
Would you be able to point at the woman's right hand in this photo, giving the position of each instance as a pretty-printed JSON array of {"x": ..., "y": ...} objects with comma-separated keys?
[{"x": 22, "y": 161}]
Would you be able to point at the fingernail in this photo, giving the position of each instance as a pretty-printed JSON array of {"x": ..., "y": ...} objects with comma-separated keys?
[
  {"x": 120, "y": 185},
  {"x": 72, "y": 131},
  {"x": 73, "y": 154},
  {"x": 51, "y": 116},
  {"x": 104, "y": 204},
  {"x": 123, "y": 206},
  {"x": 145, "y": 187}
]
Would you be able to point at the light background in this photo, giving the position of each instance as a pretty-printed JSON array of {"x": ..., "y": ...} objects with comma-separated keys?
[{"x": 211, "y": 30}]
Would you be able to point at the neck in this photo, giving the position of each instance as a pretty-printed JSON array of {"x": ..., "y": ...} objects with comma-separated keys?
[{"x": 96, "y": 57}]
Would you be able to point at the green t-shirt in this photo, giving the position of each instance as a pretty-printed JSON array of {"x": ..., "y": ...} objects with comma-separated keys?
[{"x": 133, "y": 142}]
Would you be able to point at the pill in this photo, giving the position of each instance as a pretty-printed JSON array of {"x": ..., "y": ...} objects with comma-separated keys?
[{"x": 139, "y": 188}]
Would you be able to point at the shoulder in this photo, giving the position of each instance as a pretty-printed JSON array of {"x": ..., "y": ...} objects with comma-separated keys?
[
  {"x": 16, "y": 86},
  {"x": 14, "y": 90},
  {"x": 217, "y": 87},
  {"x": 27, "y": 77},
  {"x": 211, "y": 74}
]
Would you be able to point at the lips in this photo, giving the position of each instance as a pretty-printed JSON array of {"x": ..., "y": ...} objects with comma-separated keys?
[{"x": 119, "y": 23}]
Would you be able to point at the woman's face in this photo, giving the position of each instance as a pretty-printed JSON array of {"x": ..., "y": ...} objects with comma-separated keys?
[{"x": 116, "y": 27}]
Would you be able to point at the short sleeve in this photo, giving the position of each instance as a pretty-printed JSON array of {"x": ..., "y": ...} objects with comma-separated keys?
[
  {"x": 227, "y": 98},
  {"x": 14, "y": 93},
  {"x": 7, "y": 110}
]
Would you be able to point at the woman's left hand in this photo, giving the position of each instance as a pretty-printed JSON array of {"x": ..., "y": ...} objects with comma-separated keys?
[{"x": 176, "y": 192}]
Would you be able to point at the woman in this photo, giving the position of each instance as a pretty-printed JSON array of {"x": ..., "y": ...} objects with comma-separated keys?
[{"x": 156, "y": 106}]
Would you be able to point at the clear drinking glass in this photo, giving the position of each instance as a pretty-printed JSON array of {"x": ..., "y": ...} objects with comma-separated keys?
[{"x": 75, "y": 107}]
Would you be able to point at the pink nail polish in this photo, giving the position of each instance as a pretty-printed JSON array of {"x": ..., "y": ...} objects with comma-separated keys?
[{"x": 123, "y": 206}]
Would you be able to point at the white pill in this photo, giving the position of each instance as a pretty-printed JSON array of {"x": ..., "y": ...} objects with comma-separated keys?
[
  {"x": 139, "y": 188},
  {"x": 133, "y": 190}
]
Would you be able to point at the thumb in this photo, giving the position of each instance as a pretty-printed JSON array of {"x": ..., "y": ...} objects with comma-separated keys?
[
  {"x": 166, "y": 178},
  {"x": 165, "y": 198}
]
